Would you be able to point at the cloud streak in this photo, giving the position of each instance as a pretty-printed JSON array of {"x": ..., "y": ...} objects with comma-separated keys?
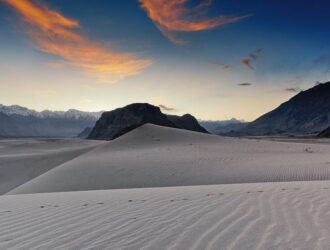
[
  {"x": 223, "y": 66},
  {"x": 245, "y": 84},
  {"x": 174, "y": 16},
  {"x": 57, "y": 35},
  {"x": 294, "y": 90},
  {"x": 165, "y": 108}
]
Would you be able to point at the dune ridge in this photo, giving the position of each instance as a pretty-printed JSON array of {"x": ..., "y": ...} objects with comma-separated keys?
[
  {"x": 154, "y": 156},
  {"x": 24, "y": 159}
]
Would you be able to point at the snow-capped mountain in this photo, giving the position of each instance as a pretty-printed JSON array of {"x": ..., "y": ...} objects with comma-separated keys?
[
  {"x": 71, "y": 113},
  {"x": 18, "y": 110},
  {"x": 20, "y": 121}
]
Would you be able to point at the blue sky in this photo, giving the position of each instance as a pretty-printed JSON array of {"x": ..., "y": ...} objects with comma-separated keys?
[{"x": 291, "y": 38}]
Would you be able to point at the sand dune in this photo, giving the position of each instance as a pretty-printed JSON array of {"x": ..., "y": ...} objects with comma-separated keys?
[
  {"x": 24, "y": 159},
  {"x": 235, "y": 216},
  {"x": 153, "y": 156},
  {"x": 271, "y": 214}
]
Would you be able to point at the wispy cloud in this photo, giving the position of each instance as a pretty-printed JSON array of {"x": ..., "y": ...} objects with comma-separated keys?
[
  {"x": 174, "y": 16},
  {"x": 244, "y": 84},
  {"x": 165, "y": 108},
  {"x": 223, "y": 66},
  {"x": 295, "y": 90},
  {"x": 56, "y": 34},
  {"x": 255, "y": 54},
  {"x": 253, "y": 57}
]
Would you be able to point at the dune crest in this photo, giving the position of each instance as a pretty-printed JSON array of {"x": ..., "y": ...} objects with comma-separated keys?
[{"x": 155, "y": 156}]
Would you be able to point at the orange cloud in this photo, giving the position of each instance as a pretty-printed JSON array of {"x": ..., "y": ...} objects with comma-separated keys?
[
  {"x": 56, "y": 34},
  {"x": 253, "y": 57},
  {"x": 247, "y": 62},
  {"x": 174, "y": 16}
]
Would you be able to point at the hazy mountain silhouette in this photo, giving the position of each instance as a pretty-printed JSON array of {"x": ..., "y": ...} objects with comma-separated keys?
[
  {"x": 85, "y": 133},
  {"x": 20, "y": 121},
  {"x": 218, "y": 127}
]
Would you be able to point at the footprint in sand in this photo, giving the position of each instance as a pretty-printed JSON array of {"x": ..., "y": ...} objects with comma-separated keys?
[
  {"x": 42, "y": 206},
  {"x": 100, "y": 203}
]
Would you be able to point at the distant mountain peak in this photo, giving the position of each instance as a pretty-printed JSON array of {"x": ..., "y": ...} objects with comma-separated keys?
[
  {"x": 20, "y": 121},
  {"x": 23, "y": 111},
  {"x": 306, "y": 112}
]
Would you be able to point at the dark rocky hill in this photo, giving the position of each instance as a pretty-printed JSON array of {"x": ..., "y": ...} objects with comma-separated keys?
[
  {"x": 306, "y": 113},
  {"x": 115, "y": 123},
  {"x": 187, "y": 122}
]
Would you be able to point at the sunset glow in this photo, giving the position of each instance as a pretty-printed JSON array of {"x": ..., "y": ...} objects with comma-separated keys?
[
  {"x": 56, "y": 34},
  {"x": 215, "y": 59}
]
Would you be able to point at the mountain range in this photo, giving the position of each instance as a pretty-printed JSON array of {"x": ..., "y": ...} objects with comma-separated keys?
[
  {"x": 222, "y": 127},
  {"x": 306, "y": 113},
  {"x": 20, "y": 121}
]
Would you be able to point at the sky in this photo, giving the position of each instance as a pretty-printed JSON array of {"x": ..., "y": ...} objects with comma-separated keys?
[{"x": 214, "y": 59}]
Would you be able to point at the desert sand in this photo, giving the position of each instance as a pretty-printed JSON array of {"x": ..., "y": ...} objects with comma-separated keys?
[
  {"x": 283, "y": 215},
  {"x": 154, "y": 156},
  {"x": 24, "y": 159},
  {"x": 164, "y": 188}
]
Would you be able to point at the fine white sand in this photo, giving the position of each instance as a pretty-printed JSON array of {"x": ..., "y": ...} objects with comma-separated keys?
[
  {"x": 154, "y": 156},
  {"x": 235, "y": 216},
  {"x": 24, "y": 159},
  {"x": 287, "y": 209}
]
